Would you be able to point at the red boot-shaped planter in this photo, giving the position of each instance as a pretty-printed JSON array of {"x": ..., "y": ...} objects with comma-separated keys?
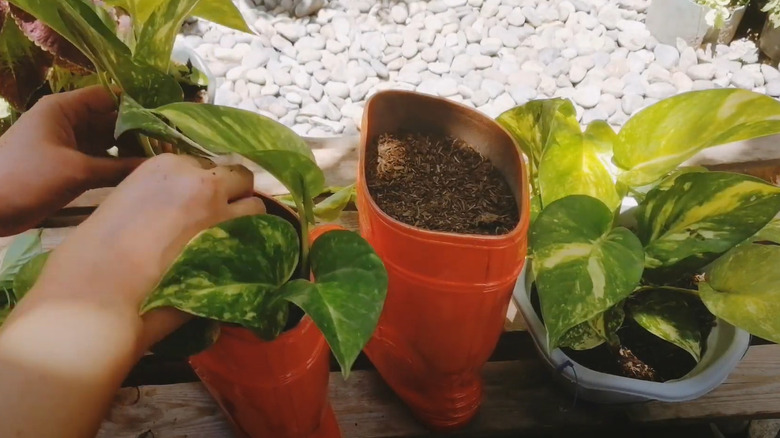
[
  {"x": 276, "y": 389},
  {"x": 448, "y": 293}
]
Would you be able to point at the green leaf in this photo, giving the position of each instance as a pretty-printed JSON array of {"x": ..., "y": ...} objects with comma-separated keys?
[
  {"x": 28, "y": 274},
  {"x": 530, "y": 124},
  {"x": 347, "y": 298},
  {"x": 62, "y": 79},
  {"x": 273, "y": 146},
  {"x": 158, "y": 33},
  {"x": 591, "y": 334},
  {"x": 23, "y": 66},
  {"x": 22, "y": 249},
  {"x": 581, "y": 265},
  {"x": 669, "y": 316},
  {"x": 133, "y": 117},
  {"x": 571, "y": 164},
  {"x": 229, "y": 273},
  {"x": 4, "y": 312},
  {"x": 222, "y": 12},
  {"x": 193, "y": 337},
  {"x": 664, "y": 135},
  {"x": 330, "y": 208},
  {"x": 702, "y": 215},
  {"x": 743, "y": 288}
]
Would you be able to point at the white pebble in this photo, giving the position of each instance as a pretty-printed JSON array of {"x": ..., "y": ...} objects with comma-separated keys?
[{"x": 587, "y": 96}]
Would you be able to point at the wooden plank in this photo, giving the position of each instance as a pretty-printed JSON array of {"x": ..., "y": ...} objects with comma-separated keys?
[
  {"x": 520, "y": 397},
  {"x": 751, "y": 391}
]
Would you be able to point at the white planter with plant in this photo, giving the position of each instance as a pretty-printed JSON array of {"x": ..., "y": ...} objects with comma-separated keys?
[
  {"x": 643, "y": 304},
  {"x": 769, "y": 41},
  {"x": 695, "y": 22}
]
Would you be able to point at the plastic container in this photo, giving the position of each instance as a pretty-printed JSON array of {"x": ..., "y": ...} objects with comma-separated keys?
[
  {"x": 183, "y": 53},
  {"x": 447, "y": 293},
  {"x": 726, "y": 346},
  {"x": 668, "y": 20},
  {"x": 276, "y": 389}
]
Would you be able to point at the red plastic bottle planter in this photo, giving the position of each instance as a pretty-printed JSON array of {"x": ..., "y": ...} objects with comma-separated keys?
[
  {"x": 448, "y": 293},
  {"x": 276, "y": 389}
]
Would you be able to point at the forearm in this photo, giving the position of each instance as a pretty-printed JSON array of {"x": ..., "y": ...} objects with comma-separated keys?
[{"x": 61, "y": 362}]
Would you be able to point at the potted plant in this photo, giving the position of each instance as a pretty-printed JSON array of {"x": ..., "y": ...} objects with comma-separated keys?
[
  {"x": 642, "y": 305},
  {"x": 257, "y": 280},
  {"x": 769, "y": 41},
  {"x": 695, "y": 21},
  {"x": 442, "y": 198}
]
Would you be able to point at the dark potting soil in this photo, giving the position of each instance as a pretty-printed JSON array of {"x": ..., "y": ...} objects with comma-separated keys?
[
  {"x": 440, "y": 184},
  {"x": 643, "y": 355}
]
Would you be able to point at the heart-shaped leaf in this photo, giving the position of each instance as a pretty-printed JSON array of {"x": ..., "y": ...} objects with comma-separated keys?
[
  {"x": 743, "y": 288},
  {"x": 582, "y": 266},
  {"x": 330, "y": 208},
  {"x": 669, "y": 316},
  {"x": 229, "y": 273},
  {"x": 348, "y": 294},
  {"x": 662, "y": 136},
  {"x": 572, "y": 165},
  {"x": 23, "y": 65},
  {"x": 701, "y": 215}
]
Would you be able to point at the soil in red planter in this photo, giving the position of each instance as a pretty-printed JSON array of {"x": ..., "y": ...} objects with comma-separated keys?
[
  {"x": 644, "y": 356},
  {"x": 439, "y": 183}
]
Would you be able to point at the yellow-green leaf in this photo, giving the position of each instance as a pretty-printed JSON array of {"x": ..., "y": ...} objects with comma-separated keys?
[
  {"x": 222, "y": 12},
  {"x": 743, "y": 288},
  {"x": 158, "y": 32},
  {"x": 661, "y": 137},
  {"x": 582, "y": 266},
  {"x": 572, "y": 163}
]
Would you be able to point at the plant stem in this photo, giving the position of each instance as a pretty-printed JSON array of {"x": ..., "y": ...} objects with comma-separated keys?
[
  {"x": 148, "y": 150},
  {"x": 304, "y": 239}
]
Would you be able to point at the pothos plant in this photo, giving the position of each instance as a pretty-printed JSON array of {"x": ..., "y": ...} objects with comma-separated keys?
[
  {"x": 695, "y": 234},
  {"x": 772, "y": 8},
  {"x": 720, "y": 10},
  {"x": 247, "y": 271}
]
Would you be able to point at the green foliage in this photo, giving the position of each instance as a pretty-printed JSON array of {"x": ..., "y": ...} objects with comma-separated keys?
[
  {"x": 688, "y": 220},
  {"x": 19, "y": 269}
]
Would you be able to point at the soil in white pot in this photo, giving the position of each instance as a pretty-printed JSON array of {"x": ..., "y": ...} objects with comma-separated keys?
[
  {"x": 642, "y": 354},
  {"x": 439, "y": 183}
]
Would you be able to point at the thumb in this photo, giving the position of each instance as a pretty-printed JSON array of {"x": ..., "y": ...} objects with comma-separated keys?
[{"x": 108, "y": 172}]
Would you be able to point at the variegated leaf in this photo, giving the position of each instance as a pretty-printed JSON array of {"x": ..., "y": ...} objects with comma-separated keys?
[
  {"x": 348, "y": 294},
  {"x": 222, "y": 12},
  {"x": 158, "y": 33},
  {"x": 664, "y": 135},
  {"x": 769, "y": 234},
  {"x": 273, "y": 146},
  {"x": 582, "y": 266},
  {"x": 591, "y": 334},
  {"x": 743, "y": 288},
  {"x": 22, "y": 250},
  {"x": 669, "y": 316},
  {"x": 702, "y": 215},
  {"x": 530, "y": 125},
  {"x": 63, "y": 79},
  {"x": 229, "y": 273},
  {"x": 23, "y": 65},
  {"x": 572, "y": 165},
  {"x": 28, "y": 274}
]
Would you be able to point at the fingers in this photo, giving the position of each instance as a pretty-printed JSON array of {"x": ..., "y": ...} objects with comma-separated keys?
[
  {"x": 78, "y": 106},
  {"x": 246, "y": 207},
  {"x": 108, "y": 172},
  {"x": 236, "y": 181}
]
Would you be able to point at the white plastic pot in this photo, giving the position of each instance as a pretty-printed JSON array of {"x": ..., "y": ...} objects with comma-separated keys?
[
  {"x": 769, "y": 41},
  {"x": 668, "y": 20},
  {"x": 183, "y": 53},
  {"x": 726, "y": 345}
]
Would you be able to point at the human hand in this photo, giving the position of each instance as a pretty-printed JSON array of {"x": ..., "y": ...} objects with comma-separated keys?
[
  {"x": 120, "y": 253},
  {"x": 55, "y": 152}
]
